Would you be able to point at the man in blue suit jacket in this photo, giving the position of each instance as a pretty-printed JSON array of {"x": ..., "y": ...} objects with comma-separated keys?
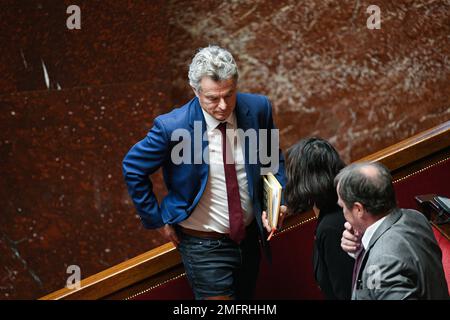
[{"x": 212, "y": 211}]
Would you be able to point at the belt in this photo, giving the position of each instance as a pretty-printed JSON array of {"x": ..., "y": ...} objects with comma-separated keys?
[
  {"x": 210, "y": 234},
  {"x": 203, "y": 234}
]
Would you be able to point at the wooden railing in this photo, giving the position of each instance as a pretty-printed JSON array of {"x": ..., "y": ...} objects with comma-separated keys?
[
  {"x": 122, "y": 275},
  {"x": 426, "y": 146},
  {"x": 164, "y": 262}
]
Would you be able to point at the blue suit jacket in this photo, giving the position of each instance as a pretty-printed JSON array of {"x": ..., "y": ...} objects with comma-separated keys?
[{"x": 186, "y": 182}]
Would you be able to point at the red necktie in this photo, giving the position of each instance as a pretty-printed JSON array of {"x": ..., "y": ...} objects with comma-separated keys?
[
  {"x": 236, "y": 216},
  {"x": 356, "y": 267}
]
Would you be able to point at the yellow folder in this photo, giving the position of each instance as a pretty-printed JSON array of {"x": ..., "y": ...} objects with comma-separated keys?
[{"x": 272, "y": 200}]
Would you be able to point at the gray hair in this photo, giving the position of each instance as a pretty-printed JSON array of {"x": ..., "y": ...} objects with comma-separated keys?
[
  {"x": 214, "y": 62},
  {"x": 369, "y": 184}
]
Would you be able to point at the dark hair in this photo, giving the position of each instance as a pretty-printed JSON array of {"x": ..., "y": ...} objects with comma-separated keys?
[
  {"x": 369, "y": 184},
  {"x": 311, "y": 166}
]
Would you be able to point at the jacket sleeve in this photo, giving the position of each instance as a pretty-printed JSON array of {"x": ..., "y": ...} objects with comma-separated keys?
[
  {"x": 143, "y": 159},
  {"x": 280, "y": 173},
  {"x": 390, "y": 278}
]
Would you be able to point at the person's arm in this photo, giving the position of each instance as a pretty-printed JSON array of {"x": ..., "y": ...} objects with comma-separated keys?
[
  {"x": 338, "y": 263},
  {"x": 143, "y": 159},
  {"x": 390, "y": 278},
  {"x": 280, "y": 172}
]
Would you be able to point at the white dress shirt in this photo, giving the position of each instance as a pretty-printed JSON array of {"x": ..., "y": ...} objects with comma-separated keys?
[
  {"x": 211, "y": 212},
  {"x": 367, "y": 236},
  {"x": 370, "y": 232}
]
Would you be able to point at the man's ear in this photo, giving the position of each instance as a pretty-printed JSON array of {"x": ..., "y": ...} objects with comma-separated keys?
[
  {"x": 195, "y": 91},
  {"x": 358, "y": 210}
]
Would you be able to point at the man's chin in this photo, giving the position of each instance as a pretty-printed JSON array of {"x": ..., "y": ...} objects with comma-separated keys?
[{"x": 220, "y": 117}]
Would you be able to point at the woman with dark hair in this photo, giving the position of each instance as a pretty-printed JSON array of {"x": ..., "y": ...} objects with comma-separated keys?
[{"x": 311, "y": 165}]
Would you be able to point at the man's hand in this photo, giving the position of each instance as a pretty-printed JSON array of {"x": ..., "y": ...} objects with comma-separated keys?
[
  {"x": 266, "y": 222},
  {"x": 351, "y": 239},
  {"x": 168, "y": 233},
  {"x": 283, "y": 213}
]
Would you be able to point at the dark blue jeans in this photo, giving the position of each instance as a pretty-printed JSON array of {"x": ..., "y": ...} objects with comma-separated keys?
[{"x": 220, "y": 267}]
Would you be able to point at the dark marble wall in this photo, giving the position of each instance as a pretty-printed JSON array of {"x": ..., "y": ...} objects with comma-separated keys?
[
  {"x": 62, "y": 139},
  {"x": 326, "y": 73},
  {"x": 61, "y": 146},
  {"x": 119, "y": 42}
]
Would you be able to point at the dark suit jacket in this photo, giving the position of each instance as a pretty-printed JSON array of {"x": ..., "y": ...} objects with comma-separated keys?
[
  {"x": 402, "y": 261},
  {"x": 186, "y": 182},
  {"x": 333, "y": 267}
]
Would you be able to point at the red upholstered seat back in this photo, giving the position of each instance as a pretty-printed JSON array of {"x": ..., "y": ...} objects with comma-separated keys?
[
  {"x": 444, "y": 244},
  {"x": 432, "y": 180},
  {"x": 174, "y": 289},
  {"x": 290, "y": 276}
]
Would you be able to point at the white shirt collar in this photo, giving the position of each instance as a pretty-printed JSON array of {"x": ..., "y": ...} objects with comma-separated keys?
[
  {"x": 212, "y": 123},
  {"x": 370, "y": 232}
]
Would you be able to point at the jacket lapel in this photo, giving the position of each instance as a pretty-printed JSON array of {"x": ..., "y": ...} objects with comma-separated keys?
[
  {"x": 197, "y": 122},
  {"x": 385, "y": 225},
  {"x": 244, "y": 123}
]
